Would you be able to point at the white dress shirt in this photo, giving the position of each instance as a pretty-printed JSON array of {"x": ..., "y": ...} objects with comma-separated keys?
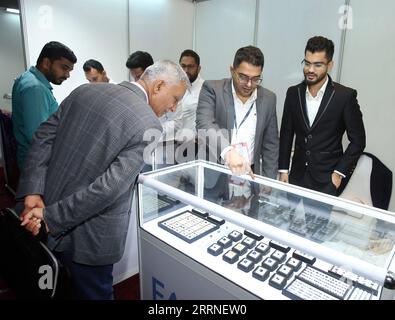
[
  {"x": 313, "y": 103},
  {"x": 188, "y": 106},
  {"x": 184, "y": 117},
  {"x": 244, "y": 133},
  {"x": 171, "y": 123}
]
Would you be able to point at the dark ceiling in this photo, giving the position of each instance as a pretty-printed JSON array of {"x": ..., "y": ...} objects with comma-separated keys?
[{"x": 9, "y": 4}]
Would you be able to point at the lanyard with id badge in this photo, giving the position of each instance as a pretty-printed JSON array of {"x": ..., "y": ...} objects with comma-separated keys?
[{"x": 241, "y": 148}]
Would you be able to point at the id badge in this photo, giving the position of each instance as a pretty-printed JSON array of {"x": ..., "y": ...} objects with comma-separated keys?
[{"x": 241, "y": 149}]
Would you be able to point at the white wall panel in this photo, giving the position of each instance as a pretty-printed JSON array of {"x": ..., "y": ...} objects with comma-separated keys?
[
  {"x": 222, "y": 27},
  {"x": 368, "y": 66},
  {"x": 93, "y": 29},
  {"x": 11, "y": 54},
  {"x": 164, "y": 28},
  {"x": 284, "y": 28}
]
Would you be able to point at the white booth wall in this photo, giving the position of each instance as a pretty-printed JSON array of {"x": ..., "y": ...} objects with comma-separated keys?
[
  {"x": 86, "y": 27},
  {"x": 284, "y": 28},
  {"x": 163, "y": 28},
  {"x": 369, "y": 67},
  {"x": 222, "y": 26}
]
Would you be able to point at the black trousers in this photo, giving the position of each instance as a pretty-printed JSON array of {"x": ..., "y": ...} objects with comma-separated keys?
[
  {"x": 310, "y": 205},
  {"x": 88, "y": 282},
  {"x": 308, "y": 181}
]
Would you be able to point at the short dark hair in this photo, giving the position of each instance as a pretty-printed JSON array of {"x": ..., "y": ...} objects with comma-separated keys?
[
  {"x": 89, "y": 64},
  {"x": 249, "y": 54},
  {"x": 55, "y": 51},
  {"x": 190, "y": 53},
  {"x": 139, "y": 59},
  {"x": 318, "y": 44}
]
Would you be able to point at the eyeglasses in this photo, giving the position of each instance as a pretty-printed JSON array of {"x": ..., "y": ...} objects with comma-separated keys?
[
  {"x": 315, "y": 65},
  {"x": 243, "y": 79},
  {"x": 188, "y": 66}
]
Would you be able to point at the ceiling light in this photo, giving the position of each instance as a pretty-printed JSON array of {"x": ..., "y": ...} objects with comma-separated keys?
[{"x": 10, "y": 10}]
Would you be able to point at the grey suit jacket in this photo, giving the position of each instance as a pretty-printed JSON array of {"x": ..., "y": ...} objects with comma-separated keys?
[
  {"x": 215, "y": 113},
  {"x": 84, "y": 161}
]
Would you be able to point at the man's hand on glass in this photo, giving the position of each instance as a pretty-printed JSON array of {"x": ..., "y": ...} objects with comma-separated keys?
[{"x": 238, "y": 164}]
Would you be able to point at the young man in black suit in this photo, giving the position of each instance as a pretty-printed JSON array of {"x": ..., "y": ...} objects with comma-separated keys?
[{"x": 318, "y": 112}]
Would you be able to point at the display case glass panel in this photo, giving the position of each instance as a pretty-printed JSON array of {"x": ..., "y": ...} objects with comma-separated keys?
[
  {"x": 326, "y": 221},
  {"x": 193, "y": 201}
]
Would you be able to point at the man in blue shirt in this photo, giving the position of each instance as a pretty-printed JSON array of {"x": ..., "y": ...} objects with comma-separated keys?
[{"x": 32, "y": 98}]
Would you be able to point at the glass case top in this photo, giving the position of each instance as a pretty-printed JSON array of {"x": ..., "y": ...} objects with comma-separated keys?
[{"x": 354, "y": 229}]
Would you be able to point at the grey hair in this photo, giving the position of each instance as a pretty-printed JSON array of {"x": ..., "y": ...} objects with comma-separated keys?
[{"x": 166, "y": 70}]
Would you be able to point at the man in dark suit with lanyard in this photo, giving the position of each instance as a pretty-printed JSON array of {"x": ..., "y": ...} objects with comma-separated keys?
[{"x": 318, "y": 112}]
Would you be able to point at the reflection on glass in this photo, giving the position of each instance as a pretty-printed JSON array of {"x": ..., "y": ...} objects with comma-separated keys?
[
  {"x": 353, "y": 233},
  {"x": 183, "y": 179},
  {"x": 156, "y": 204}
]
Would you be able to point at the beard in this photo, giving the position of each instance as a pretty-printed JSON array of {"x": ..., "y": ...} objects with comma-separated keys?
[
  {"x": 57, "y": 81},
  {"x": 244, "y": 92},
  {"x": 314, "y": 81}
]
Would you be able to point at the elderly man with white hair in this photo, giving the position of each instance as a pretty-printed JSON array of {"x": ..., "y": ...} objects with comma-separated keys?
[{"x": 82, "y": 166}]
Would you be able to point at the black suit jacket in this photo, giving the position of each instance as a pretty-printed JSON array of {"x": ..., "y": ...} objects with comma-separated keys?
[{"x": 318, "y": 146}]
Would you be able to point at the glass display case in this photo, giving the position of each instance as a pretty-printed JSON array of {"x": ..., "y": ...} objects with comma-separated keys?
[{"x": 206, "y": 234}]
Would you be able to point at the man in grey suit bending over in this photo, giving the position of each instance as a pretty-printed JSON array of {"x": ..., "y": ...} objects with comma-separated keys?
[
  {"x": 241, "y": 114},
  {"x": 82, "y": 166}
]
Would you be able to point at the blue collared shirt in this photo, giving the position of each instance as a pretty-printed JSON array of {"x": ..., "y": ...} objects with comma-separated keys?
[{"x": 32, "y": 104}]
